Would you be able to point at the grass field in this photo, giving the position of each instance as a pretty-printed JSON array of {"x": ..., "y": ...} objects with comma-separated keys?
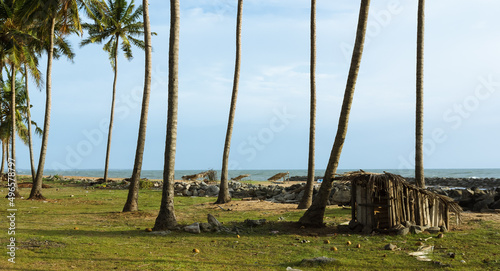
[{"x": 83, "y": 229}]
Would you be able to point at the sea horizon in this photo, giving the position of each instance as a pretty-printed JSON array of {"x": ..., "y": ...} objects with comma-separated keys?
[{"x": 264, "y": 174}]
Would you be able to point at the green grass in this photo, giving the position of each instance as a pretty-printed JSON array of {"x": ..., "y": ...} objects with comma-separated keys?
[{"x": 79, "y": 229}]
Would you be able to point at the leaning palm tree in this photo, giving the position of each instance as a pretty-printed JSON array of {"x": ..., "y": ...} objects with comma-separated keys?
[
  {"x": 111, "y": 21},
  {"x": 224, "y": 196},
  {"x": 306, "y": 200},
  {"x": 49, "y": 14},
  {"x": 166, "y": 217},
  {"x": 419, "y": 129},
  {"x": 314, "y": 215},
  {"x": 133, "y": 194}
]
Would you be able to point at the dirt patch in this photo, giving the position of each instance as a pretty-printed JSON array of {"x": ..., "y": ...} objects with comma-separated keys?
[
  {"x": 39, "y": 244},
  {"x": 29, "y": 185},
  {"x": 253, "y": 205}
]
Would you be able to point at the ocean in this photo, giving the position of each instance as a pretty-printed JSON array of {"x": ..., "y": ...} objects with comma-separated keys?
[{"x": 262, "y": 175}]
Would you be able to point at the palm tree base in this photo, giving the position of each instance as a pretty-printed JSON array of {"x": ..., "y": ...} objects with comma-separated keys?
[
  {"x": 37, "y": 196},
  {"x": 223, "y": 200},
  {"x": 165, "y": 221},
  {"x": 16, "y": 195},
  {"x": 130, "y": 208},
  {"x": 313, "y": 217}
]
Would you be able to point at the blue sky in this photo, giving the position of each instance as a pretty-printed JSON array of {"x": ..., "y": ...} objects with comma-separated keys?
[{"x": 462, "y": 89}]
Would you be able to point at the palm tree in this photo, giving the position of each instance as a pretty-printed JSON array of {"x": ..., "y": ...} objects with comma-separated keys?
[
  {"x": 306, "y": 200},
  {"x": 114, "y": 20},
  {"x": 419, "y": 134},
  {"x": 16, "y": 39},
  {"x": 133, "y": 194},
  {"x": 314, "y": 215},
  {"x": 224, "y": 196},
  {"x": 49, "y": 14},
  {"x": 166, "y": 217}
]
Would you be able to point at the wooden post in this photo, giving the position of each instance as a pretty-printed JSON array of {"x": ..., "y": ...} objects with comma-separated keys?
[{"x": 353, "y": 200}]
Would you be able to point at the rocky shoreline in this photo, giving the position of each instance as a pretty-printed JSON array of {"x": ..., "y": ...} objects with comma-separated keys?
[{"x": 479, "y": 195}]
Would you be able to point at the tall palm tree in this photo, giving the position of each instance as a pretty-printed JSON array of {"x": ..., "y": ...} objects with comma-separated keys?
[
  {"x": 419, "y": 129},
  {"x": 314, "y": 215},
  {"x": 166, "y": 217},
  {"x": 64, "y": 14},
  {"x": 111, "y": 21},
  {"x": 16, "y": 38},
  {"x": 133, "y": 194},
  {"x": 224, "y": 196},
  {"x": 306, "y": 200}
]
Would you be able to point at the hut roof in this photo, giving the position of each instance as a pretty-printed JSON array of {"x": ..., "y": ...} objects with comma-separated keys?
[
  {"x": 374, "y": 180},
  {"x": 240, "y": 177},
  {"x": 278, "y": 176}
]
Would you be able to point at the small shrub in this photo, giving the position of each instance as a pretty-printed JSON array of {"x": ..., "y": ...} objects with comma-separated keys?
[{"x": 145, "y": 184}]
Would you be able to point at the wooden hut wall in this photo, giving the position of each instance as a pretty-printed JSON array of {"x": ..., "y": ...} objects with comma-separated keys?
[{"x": 404, "y": 203}]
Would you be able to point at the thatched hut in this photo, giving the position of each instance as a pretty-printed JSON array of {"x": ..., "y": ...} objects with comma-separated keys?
[{"x": 386, "y": 201}]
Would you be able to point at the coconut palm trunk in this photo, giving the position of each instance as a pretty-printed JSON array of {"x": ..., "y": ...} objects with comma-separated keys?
[
  {"x": 12, "y": 162},
  {"x": 30, "y": 139},
  {"x": 306, "y": 200},
  {"x": 133, "y": 194},
  {"x": 224, "y": 195},
  {"x": 2, "y": 167},
  {"x": 36, "y": 190},
  {"x": 314, "y": 215},
  {"x": 166, "y": 217},
  {"x": 111, "y": 118},
  {"x": 419, "y": 129}
]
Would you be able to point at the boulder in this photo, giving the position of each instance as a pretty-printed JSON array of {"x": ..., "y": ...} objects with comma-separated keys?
[
  {"x": 213, "y": 221},
  {"x": 206, "y": 227},
  {"x": 193, "y": 228}
]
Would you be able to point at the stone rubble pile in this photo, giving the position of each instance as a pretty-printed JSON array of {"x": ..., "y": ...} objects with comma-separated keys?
[
  {"x": 273, "y": 193},
  {"x": 478, "y": 195}
]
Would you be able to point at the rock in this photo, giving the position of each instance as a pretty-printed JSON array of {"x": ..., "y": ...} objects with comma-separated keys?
[
  {"x": 289, "y": 196},
  {"x": 206, "y": 227},
  {"x": 193, "y": 228},
  {"x": 292, "y": 269},
  {"x": 317, "y": 261},
  {"x": 417, "y": 229},
  {"x": 390, "y": 247},
  {"x": 253, "y": 223},
  {"x": 495, "y": 205},
  {"x": 342, "y": 196},
  {"x": 212, "y": 190},
  {"x": 404, "y": 231},
  {"x": 213, "y": 221}
]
